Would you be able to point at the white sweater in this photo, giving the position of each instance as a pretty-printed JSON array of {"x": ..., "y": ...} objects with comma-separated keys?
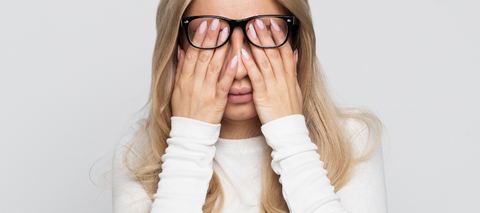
[{"x": 195, "y": 151}]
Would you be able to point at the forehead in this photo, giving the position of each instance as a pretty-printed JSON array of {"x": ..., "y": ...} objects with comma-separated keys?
[{"x": 234, "y": 9}]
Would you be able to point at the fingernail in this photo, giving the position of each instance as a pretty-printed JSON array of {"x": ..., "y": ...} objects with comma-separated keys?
[
  {"x": 245, "y": 54},
  {"x": 178, "y": 52},
  {"x": 296, "y": 56},
  {"x": 234, "y": 62},
  {"x": 260, "y": 23},
  {"x": 252, "y": 31},
  {"x": 275, "y": 25},
  {"x": 202, "y": 27},
  {"x": 224, "y": 35},
  {"x": 214, "y": 24}
]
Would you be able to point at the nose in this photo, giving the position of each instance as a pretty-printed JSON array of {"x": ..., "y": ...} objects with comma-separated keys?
[{"x": 237, "y": 42}]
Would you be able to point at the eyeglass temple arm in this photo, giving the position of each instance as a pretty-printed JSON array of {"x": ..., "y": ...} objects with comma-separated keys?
[{"x": 295, "y": 21}]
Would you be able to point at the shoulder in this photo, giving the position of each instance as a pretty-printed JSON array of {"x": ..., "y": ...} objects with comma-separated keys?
[
  {"x": 362, "y": 134},
  {"x": 365, "y": 191},
  {"x": 132, "y": 131},
  {"x": 133, "y": 142},
  {"x": 128, "y": 192}
]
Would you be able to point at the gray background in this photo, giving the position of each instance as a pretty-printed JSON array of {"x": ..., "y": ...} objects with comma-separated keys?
[{"x": 74, "y": 73}]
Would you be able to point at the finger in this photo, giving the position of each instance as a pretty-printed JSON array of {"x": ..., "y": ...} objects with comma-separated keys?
[
  {"x": 181, "y": 59},
  {"x": 259, "y": 56},
  {"x": 273, "y": 54},
  {"x": 254, "y": 74},
  {"x": 285, "y": 50},
  {"x": 205, "y": 56},
  {"x": 192, "y": 53},
  {"x": 215, "y": 65},
  {"x": 226, "y": 82}
]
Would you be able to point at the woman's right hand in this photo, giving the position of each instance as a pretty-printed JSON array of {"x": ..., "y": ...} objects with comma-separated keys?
[{"x": 198, "y": 93}]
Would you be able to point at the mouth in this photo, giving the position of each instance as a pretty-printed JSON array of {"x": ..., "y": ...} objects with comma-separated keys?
[
  {"x": 240, "y": 97},
  {"x": 240, "y": 91}
]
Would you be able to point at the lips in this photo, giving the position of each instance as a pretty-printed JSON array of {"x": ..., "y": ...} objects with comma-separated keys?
[{"x": 240, "y": 91}]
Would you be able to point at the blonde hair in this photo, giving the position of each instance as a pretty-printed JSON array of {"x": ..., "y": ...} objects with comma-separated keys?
[{"x": 322, "y": 116}]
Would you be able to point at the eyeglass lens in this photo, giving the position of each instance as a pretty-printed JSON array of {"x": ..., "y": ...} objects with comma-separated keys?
[{"x": 264, "y": 32}]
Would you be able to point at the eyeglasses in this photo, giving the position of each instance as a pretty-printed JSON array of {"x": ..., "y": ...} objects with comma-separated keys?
[{"x": 248, "y": 26}]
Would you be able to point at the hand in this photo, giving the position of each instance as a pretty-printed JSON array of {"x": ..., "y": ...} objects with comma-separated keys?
[
  {"x": 196, "y": 94},
  {"x": 276, "y": 92}
]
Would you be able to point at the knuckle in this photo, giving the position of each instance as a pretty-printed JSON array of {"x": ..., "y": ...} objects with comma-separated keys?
[
  {"x": 266, "y": 36},
  {"x": 250, "y": 65},
  {"x": 288, "y": 53},
  {"x": 274, "y": 55},
  {"x": 256, "y": 80},
  {"x": 203, "y": 57},
  {"x": 212, "y": 36},
  {"x": 265, "y": 63},
  {"x": 213, "y": 68},
  {"x": 223, "y": 88},
  {"x": 191, "y": 57}
]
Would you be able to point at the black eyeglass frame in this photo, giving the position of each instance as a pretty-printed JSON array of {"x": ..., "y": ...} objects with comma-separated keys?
[{"x": 242, "y": 23}]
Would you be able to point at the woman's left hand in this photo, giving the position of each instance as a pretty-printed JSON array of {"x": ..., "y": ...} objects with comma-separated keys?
[{"x": 276, "y": 92}]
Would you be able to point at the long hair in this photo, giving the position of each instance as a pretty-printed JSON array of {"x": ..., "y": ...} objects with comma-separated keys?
[{"x": 323, "y": 117}]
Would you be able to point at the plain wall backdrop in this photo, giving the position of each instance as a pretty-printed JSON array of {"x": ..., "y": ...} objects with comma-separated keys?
[{"x": 74, "y": 73}]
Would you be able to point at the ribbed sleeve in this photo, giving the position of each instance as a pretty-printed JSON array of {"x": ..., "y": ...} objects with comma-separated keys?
[
  {"x": 187, "y": 166},
  {"x": 187, "y": 170},
  {"x": 306, "y": 187}
]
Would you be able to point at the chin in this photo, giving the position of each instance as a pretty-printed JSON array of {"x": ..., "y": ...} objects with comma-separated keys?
[{"x": 240, "y": 112}]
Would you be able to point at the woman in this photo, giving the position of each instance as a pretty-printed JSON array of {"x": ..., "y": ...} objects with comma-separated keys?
[{"x": 240, "y": 119}]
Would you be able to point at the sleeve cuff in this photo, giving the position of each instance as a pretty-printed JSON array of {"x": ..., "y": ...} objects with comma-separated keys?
[
  {"x": 288, "y": 136},
  {"x": 283, "y": 126},
  {"x": 191, "y": 128}
]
